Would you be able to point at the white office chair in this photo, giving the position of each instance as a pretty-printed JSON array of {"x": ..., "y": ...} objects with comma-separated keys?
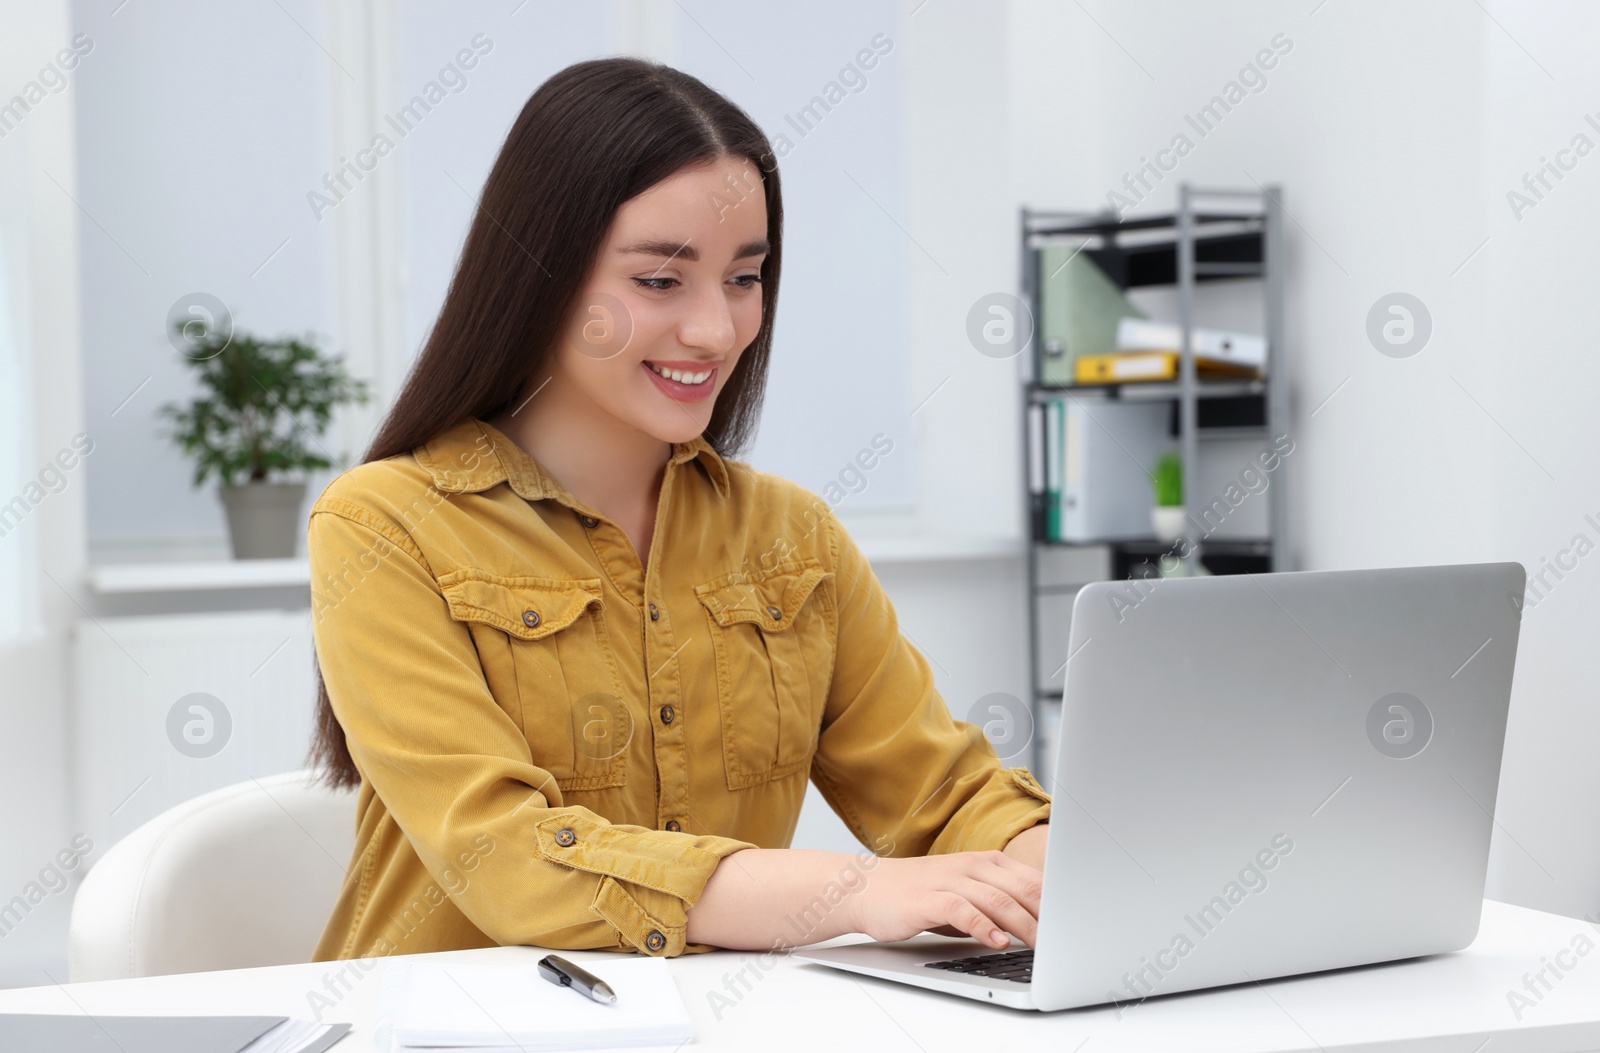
[{"x": 242, "y": 876}]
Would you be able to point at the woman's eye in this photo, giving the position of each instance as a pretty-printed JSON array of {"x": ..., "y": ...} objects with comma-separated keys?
[{"x": 744, "y": 281}]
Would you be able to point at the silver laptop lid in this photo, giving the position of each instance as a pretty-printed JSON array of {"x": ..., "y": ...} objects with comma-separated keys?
[{"x": 1261, "y": 775}]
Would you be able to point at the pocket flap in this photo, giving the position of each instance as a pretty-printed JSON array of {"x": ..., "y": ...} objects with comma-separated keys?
[
  {"x": 527, "y": 608},
  {"x": 769, "y": 601}
]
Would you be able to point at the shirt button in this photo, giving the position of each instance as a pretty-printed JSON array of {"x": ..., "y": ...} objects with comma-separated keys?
[
  {"x": 655, "y": 941},
  {"x": 591, "y": 522},
  {"x": 565, "y": 836},
  {"x": 672, "y": 824},
  {"x": 530, "y": 618},
  {"x": 667, "y": 714},
  {"x": 776, "y": 613},
  {"x": 654, "y": 614}
]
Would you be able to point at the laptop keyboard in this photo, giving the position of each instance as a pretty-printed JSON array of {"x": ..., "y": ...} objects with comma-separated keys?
[{"x": 998, "y": 965}]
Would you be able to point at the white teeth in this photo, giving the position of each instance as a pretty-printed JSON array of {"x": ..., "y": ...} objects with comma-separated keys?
[{"x": 680, "y": 375}]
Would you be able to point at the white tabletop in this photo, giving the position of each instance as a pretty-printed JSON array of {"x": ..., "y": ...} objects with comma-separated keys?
[{"x": 1455, "y": 1003}]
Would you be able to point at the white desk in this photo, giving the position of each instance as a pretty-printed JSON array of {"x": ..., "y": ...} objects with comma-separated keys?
[{"x": 1445, "y": 1004}]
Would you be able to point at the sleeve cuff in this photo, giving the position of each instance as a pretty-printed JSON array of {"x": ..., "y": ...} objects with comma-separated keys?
[
  {"x": 1009, "y": 805},
  {"x": 1029, "y": 808},
  {"x": 649, "y": 878}
]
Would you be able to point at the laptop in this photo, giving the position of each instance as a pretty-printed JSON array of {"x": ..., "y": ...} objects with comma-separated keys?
[{"x": 1256, "y": 776}]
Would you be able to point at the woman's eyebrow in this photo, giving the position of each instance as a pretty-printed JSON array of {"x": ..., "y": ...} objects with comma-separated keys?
[{"x": 671, "y": 249}]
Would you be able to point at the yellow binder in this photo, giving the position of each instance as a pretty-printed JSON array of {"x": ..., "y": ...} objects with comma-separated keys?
[{"x": 1133, "y": 366}]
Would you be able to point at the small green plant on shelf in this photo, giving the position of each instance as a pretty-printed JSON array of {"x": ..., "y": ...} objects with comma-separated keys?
[
  {"x": 1167, "y": 517},
  {"x": 1169, "y": 481}
]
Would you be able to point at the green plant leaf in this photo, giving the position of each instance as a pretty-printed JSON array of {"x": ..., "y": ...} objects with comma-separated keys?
[
  {"x": 263, "y": 408},
  {"x": 1168, "y": 480}
]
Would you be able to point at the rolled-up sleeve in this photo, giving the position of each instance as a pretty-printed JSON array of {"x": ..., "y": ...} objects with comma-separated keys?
[
  {"x": 450, "y": 765},
  {"x": 905, "y": 776}
]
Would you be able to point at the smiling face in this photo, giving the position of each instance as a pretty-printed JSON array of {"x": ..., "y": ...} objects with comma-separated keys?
[{"x": 673, "y": 299}]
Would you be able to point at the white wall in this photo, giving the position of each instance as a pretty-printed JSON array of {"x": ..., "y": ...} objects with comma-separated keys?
[
  {"x": 1396, "y": 131},
  {"x": 201, "y": 128},
  {"x": 38, "y": 226},
  {"x": 840, "y": 345},
  {"x": 1539, "y": 379}
]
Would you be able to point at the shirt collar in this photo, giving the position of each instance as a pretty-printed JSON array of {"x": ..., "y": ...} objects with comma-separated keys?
[{"x": 474, "y": 455}]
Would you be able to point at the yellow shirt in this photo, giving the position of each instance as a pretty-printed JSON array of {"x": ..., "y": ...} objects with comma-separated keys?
[{"x": 557, "y": 745}]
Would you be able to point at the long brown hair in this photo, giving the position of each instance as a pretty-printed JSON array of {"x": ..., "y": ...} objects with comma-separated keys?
[{"x": 590, "y": 138}]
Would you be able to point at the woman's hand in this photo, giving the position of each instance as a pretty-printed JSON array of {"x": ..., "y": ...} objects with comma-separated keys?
[{"x": 979, "y": 894}]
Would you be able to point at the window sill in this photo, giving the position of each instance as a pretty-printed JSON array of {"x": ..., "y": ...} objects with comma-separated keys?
[
  {"x": 199, "y": 576},
  {"x": 209, "y": 575},
  {"x": 925, "y": 547}
]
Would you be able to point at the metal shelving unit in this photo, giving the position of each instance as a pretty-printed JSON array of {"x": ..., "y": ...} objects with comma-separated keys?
[{"x": 1237, "y": 235}]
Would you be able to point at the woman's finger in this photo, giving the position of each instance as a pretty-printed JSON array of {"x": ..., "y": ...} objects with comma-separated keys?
[
  {"x": 1021, "y": 882},
  {"x": 998, "y": 904},
  {"x": 970, "y": 919}
]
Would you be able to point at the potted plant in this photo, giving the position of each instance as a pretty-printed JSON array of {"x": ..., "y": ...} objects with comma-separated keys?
[
  {"x": 261, "y": 402},
  {"x": 1167, "y": 517}
]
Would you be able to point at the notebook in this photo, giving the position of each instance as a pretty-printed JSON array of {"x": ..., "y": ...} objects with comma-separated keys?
[
  {"x": 489, "y": 1008},
  {"x": 60, "y": 1033}
]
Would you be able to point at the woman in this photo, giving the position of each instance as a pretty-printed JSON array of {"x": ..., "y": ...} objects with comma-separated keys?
[{"x": 580, "y": 664}]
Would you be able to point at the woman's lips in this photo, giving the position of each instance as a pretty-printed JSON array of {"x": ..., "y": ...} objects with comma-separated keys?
[{"x": 676, "y": 389}]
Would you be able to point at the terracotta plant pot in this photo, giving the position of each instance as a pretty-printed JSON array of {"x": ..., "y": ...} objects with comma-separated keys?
[{"x": 264, "y": 519}]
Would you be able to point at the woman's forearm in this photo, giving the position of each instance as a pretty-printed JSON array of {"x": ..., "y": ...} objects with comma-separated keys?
[
  {"x": 761, "y": 897},
  {"x": 778, "y": 898}
]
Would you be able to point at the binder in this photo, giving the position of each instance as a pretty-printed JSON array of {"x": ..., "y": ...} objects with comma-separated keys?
[
  {"x": 1244, "y": 349},
  {"x": 1053, "y": 470},
  {"x": 1079, "y": 308},
  {"x": 1038, "y": 503},
  {"x": 1109, "y": 456},
  {"x": 1124, "y": 367}
]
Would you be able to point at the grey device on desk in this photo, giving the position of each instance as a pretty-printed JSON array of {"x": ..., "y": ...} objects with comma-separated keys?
[
  {"x": 1258, "y": 776},
  {"x": 85, "y": 1033}
]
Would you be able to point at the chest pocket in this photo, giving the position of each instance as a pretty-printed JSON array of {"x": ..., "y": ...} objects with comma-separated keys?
[
  {"x": 773, "y": 637},
  {"x": 550, "y": 663}
]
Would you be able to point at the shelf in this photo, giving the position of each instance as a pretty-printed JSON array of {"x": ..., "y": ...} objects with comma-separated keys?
[
  {"x": 1215, "y": 235},
  {"x": 1228, "y": 270},
  {"x": 200, "y": 576},
  {"x": 1155, "y": 546},
  {"x": 1156, "y": 389},
  {"x": 1103, "y": 223},
  {"x": 1143, "y": 261},
  {"x": 1217, "y": 258},
  {"x": 1205, "y": 434},
  {"x": 1140, "y": 558}
]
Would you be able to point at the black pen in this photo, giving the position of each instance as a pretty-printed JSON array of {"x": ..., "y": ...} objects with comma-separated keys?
[{"x": 563, "y": 973}]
